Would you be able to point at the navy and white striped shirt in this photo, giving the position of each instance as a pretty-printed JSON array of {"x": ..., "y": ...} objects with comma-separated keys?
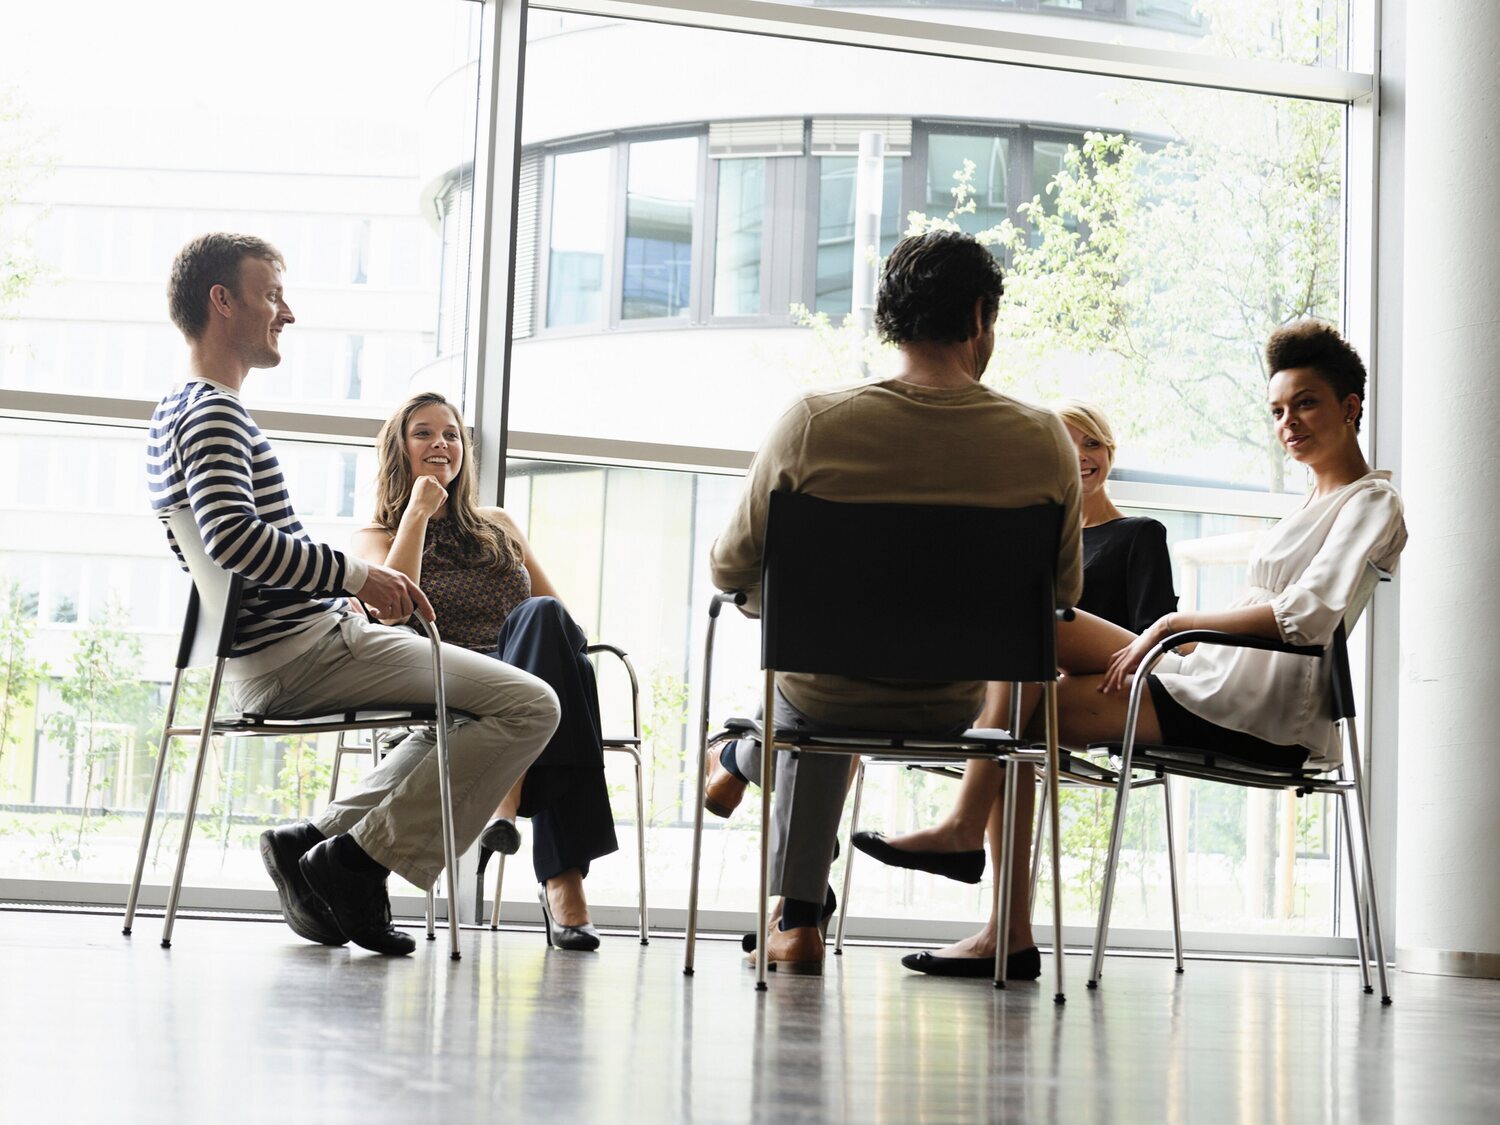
[{"x": 207, "y": 452}]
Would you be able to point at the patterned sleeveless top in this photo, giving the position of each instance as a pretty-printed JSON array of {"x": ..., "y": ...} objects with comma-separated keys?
[{"x": 471, "y": 602}]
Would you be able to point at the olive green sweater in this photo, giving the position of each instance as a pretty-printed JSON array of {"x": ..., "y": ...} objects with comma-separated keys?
[{"x": 895, "y": 442}]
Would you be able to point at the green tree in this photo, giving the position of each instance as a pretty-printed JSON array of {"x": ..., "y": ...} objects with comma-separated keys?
[
  {"x": 18, "y": 672},
  {"x": 1153, "y": 271},
  {"x": 101, "y": 695},
  {"x": 21, "y": 161}
]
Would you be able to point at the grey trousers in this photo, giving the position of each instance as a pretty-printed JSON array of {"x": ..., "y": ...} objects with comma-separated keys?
[
  {"x": 807, "y": 804},
  {"x": 395, "y": 815}
]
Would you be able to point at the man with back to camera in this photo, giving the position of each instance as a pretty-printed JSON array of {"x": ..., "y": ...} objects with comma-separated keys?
[
  {"x": 933, "y": 434},
  {"x": 298, "y": 646}
]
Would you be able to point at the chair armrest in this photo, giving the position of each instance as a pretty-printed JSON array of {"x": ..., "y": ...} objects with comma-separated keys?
[
  {"x": 1238, "y": 640},
  {"x": 635, "y": 683},
  {"x": 729, "y": 597}
]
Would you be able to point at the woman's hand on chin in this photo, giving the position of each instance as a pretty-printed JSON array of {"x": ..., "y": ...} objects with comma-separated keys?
[
  {"x": 1129, "y": 658},
  {"x": 427, "y": 497}
]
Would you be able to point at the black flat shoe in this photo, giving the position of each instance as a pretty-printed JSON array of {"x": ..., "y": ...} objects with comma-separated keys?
[
  {"x": 306, "y": 913},
  {"x": 358, "y": 900},
  {"x": 830, "y": 907},
  {"x": 966, "y": 867},
  {"x": 583, "y": 938},
  {"x": 1026, "y": 964}
]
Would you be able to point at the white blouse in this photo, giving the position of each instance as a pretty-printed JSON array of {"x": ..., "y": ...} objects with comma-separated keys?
[{"x": 1308, "y": 568}]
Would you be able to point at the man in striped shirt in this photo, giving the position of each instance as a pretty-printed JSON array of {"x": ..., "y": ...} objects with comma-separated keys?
[{"x": 298, "y": 647}]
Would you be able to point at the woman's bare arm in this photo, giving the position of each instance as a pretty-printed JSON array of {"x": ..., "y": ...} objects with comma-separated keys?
[{"x": 541, "y": 585}]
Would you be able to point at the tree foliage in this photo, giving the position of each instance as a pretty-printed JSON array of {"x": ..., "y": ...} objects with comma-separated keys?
[
  {"x": 101, "y": 696},
  {"x": 18, "y": 672},
  {"x": 1148, "y": 273}
]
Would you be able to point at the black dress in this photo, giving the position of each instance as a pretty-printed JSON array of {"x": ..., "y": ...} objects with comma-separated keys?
[{"x": 1127, "y": 572}]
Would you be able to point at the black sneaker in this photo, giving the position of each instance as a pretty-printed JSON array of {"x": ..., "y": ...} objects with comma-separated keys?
[
  {"x": 359, "y": 902},
  {"x": 307, "y": 914}
]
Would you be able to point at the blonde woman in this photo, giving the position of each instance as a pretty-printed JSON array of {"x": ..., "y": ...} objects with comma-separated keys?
[
  {"x": 491, "y": 595},
  {"x": 1127, "y": 571}
]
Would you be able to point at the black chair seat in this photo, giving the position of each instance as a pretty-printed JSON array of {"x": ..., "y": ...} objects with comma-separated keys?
[
  {"x": 1159, "y": 755},
  {"x": 394, "y": 714},
  {"x": 873, "y": 741}
]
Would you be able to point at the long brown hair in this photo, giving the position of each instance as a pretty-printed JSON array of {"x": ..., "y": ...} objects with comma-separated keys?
[{"x": 481, "y": 539}]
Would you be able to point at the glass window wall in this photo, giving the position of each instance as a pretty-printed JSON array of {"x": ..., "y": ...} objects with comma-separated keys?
[{"x": 1171, "y": 210}]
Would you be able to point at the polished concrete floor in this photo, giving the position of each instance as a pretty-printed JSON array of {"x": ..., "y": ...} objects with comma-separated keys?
[{"x": 242, "y": 1021}]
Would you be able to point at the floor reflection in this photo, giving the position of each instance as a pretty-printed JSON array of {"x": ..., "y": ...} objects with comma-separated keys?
[{"x": 241, "y": 1021}]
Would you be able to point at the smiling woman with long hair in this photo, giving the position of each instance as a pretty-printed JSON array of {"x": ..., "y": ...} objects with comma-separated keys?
[
  {"x": 1271, "y": 706},
  {"x": 491, "y": 595}
]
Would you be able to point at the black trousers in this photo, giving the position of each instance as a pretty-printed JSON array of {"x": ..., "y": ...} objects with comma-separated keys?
[{"x": 564, "y": 793}]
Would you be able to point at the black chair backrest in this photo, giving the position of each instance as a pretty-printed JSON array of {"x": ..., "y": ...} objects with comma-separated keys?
[
  {"x": 1341, "y": 679},
  {"x": 909, "y": 591}
]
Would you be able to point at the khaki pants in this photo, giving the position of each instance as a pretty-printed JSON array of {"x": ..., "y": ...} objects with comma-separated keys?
[{"x": 395, "y": 814}]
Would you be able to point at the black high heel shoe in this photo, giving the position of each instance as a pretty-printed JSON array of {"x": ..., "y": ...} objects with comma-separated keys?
[
  {"x": 830, "y": 908},
  {"x": 499, "y": 835},
  {"x": 583, "y": 938}
]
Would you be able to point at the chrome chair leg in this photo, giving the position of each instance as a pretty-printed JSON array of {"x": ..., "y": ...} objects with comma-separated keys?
[
  {"x": 640, "y": 846},
  {"x": 1166, "y": 802},
  {"x": 1036, "y": 849},
  {"x": 499, "y": 883},
  {"x": 151, "y": 799},
  {"x": 691, "y": 935},
  {"x": 205, "y": 742},
  {"x": 1369, "y": 862},
  {"x": 767, "y": 774},
  {"x": 1117, "y": 829},
  {"x": 1053, "y": 761},
  {"x": 1002, "y": 892},
  {"x": 859, "y": 795},
  {"x": 1346, "y": 814}
]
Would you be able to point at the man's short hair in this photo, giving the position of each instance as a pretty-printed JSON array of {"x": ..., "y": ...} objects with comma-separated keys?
[
  {"x": 929, "y": 287},
  {"x": 206, "y": 261},
  {"x": 1318, "y": 345}
]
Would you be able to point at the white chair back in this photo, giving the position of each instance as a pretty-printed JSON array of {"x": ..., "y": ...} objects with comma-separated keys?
[{"x": 213, "y": 587}]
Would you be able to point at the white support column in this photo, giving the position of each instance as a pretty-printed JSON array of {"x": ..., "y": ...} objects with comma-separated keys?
[{"x": 1448, "y": 917}]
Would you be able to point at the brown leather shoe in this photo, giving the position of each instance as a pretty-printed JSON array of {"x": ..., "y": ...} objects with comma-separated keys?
[
  {"x": 724, "y": 791},
  {"x": 798, "y": 950}
]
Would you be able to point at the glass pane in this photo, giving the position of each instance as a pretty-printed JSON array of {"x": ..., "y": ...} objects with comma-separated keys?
[
  {"x": 350, "y": 186},
  {"x": 968, "y": 176},
  {"x": 579, "y": 238},
  {"x": 659, "y": 196},
  {"x": 91, "y": 605},
  {"x": 742, "y": 196},
  {"x": 836, "y": 176}
]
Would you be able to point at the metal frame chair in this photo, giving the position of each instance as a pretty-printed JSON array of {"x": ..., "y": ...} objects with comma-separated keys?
[
  {"x": 630, "y": 744},
  {"x": 977, "y": 602},
  {"x": 624, "y": 745},
  {"x": 1074, "y": 772},
  {"x": 207, "y": 639},
  {"x": 1246, "y": 773}
]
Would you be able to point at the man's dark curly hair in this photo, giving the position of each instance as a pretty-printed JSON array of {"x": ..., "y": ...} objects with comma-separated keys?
[
  {"x": 206, "y": 261},
  {"x": 929, "y": 287},
  {"x": 1315, "y": 344}
]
